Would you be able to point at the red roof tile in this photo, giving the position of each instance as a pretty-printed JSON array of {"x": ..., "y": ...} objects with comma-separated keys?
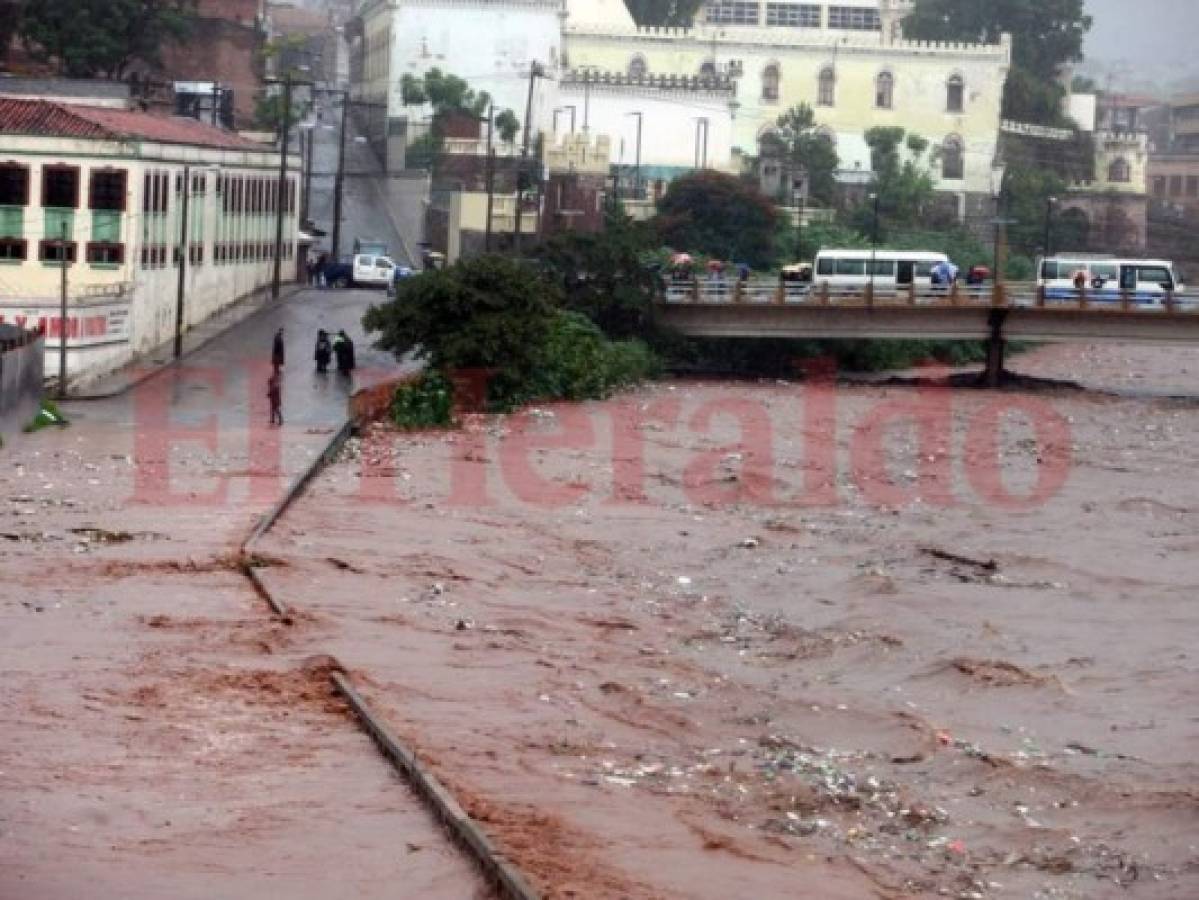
[{"x": 50, "y": 119}]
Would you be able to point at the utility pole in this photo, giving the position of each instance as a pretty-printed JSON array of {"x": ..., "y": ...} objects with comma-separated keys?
[
  {"x": 701, "y": 124},
  {"x": 216, "y": 104},
  {"x": 309, "y": 135},
  {"x": 281, "y": 189},
  {"x": 184, "y": 237},
  {"x": 586, "y": 102},
  {"x": 522, "y": 171},
  {"x": 637, "y": 159},
  {"x": 1049, "y": 226},
  {"x": 341, "y": 175},
  {"x": 62, "y": 317},
  {"x": 490, "y": 177}
]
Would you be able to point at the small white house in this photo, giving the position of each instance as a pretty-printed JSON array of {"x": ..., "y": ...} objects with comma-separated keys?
[{"x": 102, "y": 192}]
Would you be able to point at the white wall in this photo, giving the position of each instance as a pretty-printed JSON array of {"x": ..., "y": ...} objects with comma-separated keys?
[
  {"x": 490, "y": 45},
  {"x": 668, "y": 131}
]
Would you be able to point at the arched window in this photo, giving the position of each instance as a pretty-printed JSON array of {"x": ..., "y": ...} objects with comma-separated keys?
[
  {"x": 955, "y": 94},
  {"x": 707, "y": 70},
  {"x": 953, "y": 158},
  {"x": 637, "y": 68},
  {"x": 1119, "y": 172},
  {"x": 770, "y": 82},
  {"x": 827, "y": 94},
  {"x": 884, "y": 90}
]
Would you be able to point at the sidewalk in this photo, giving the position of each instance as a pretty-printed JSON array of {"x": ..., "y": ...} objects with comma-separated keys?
[{"x": 150, "y": 364}]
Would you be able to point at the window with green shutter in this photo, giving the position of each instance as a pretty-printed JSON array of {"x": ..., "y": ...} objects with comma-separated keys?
[
  {"x": 60, "y": 223},
  {"x": 12, "y": 221},
  {"x": 106, "y": 226}
]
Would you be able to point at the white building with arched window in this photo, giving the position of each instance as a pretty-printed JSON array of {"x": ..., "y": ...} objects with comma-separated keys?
[{"x": 741, "y": 64}]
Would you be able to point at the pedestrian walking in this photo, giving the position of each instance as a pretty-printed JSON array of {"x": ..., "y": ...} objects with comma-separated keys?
[
  {"x": 322, "y": 265},
  {"x": 314, "y": 269},
  {"x": 274, "y": 393},
  {"x": 324, "y": 351},
  {"x": 277, "y": 351},
  {"x": 343, "y": 349}
]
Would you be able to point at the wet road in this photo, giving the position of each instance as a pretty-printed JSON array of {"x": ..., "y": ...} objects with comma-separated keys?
[
  {"x": 366, "y": 211},
  {"x": 227, "y": 378}
]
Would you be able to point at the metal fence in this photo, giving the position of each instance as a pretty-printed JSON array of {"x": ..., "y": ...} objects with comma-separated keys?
[
  {"x": 758, "y": 291},
  {"x": 22, "y": 361}
]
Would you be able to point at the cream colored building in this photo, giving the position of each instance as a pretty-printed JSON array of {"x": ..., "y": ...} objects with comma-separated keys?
[
  {"x": 742, "y": 64},
  {"x": 102, "y": 191}
]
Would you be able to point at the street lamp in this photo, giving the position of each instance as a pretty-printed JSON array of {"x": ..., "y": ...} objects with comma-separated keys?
[
  {"x": 799, "y": 192},
  {"x": 1049, "y": 204},
  {"x": 998, "y": 173},
  {"x": 873, "y": 241},
  {"x": 637, "y": 163}
]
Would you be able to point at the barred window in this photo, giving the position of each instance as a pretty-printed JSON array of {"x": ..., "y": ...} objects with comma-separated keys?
[
  {"x": 770, "y": 82},
  {"x": 884, "y": 90},
  {"x": 733, "y": 12},
  {"x": 827, "y": 93},
  {"x": 793, "y": 15},
  {"x": 955, "y": 94},
  {"x": 953, "y": 162},
  {"x": 1119, "y": 172},
  {"x": 854, "y": 18}
]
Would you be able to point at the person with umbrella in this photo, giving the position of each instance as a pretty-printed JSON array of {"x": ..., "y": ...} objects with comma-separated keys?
[{"x": 343, "y": 349}]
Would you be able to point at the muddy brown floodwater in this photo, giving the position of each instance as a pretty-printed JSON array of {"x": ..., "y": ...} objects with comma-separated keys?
[
  {"x": 778, "y": 640},
  {"x": 703, "y": 640}
]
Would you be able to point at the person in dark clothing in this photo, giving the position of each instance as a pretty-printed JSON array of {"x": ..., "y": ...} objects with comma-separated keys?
[
  {"x": 274, "y": 393},
  {"x": 343, "y": 349},
  {"x": 277, "y": 353},
  {"x": 324, "y": 351}
]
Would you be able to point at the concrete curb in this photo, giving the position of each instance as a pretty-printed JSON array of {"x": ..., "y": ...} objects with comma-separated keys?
[
  {"x": 495, "y": 866},
  {"x": 297, "y": 487},
  {"x": 507, "y": 879}
]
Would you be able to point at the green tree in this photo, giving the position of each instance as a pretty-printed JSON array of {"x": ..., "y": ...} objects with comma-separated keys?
[
  {"x": 796, "y": 138},
  {"x": 487, "y": 312},
  {"x": 603, "y": 274},
  {"x": 448, "y": 95},
  {"x": 903, "y": 183},
  {"x": 1046, "y": 36},
  {"x": 507, "y": 126},
  {"x": 663, "y": 12},
  {"x": 102, "y": 38},
  {"x": 716, "y": 214}
]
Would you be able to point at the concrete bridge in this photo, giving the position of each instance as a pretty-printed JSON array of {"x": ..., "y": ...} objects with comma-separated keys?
[{"x": 759, "y": 309}]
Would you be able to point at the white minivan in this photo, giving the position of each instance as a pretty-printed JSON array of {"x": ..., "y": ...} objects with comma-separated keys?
[
  {"x": 1109, "y": 278},
  {"x": 373, "y": 271}
]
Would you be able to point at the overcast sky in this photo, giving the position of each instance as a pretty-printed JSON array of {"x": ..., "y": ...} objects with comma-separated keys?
[{"x": 1153, "y": 38}]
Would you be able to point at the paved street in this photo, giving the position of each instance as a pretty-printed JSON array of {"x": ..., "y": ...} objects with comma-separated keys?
[
  {"x": 366, "y": 212},
  {"x": 241, "y": 356}
]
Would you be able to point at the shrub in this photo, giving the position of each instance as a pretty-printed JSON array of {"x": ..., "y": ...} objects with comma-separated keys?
[
  {"x": 488, "y": 312},
  {"x": 578, "y": 363},
  {"x": 426, "y": 402}
]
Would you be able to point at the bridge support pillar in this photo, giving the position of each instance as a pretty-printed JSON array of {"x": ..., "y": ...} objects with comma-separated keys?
[{"x": 996, "y": 345}]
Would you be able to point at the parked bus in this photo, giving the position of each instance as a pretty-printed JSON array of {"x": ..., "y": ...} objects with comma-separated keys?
[
  {"x": 1108, "y": 278},
  {"x": 885, "y": 269}
]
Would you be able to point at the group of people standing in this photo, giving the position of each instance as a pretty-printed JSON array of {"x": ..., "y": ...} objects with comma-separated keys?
[
  {"x": 316, "y": 264},
  {"x": 340, "y": 347}
]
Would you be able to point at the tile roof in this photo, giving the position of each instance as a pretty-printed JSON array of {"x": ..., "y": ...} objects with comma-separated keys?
[{"x": 54, "y": 119}]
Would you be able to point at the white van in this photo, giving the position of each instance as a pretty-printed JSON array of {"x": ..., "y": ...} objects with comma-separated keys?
[
  {"x": 885, "y": 269},
  {"x": 1109, "y": 278}
]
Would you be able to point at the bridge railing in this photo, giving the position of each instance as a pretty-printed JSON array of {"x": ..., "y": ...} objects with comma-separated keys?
[{"x": 765, "y": 291}]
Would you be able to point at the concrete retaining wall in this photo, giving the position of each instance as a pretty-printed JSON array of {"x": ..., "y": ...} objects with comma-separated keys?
[{"x": 22, "y": 356}]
